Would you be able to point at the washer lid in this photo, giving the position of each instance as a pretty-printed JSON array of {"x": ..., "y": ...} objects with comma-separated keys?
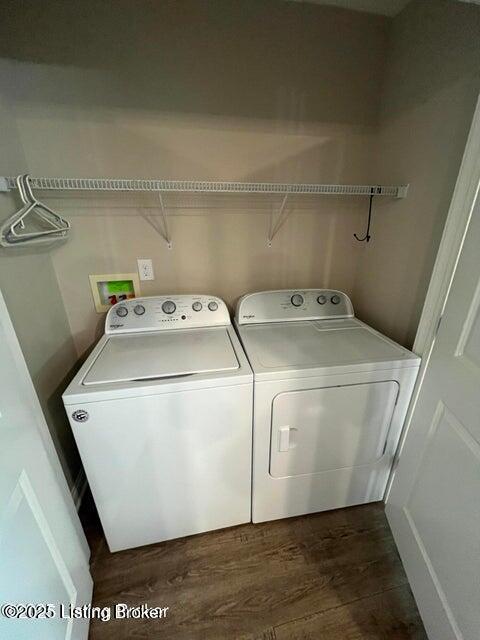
[
  {"x": 318, "y": 344},
  {"x": 166, "y": 354}
]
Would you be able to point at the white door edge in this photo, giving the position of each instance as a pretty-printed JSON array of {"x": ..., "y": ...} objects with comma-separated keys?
[
  {"x": 43, "y": 428},
  {"x": 460, "y": 211}
]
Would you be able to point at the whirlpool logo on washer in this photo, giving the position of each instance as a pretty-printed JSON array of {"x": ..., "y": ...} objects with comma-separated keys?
[
  {"x": 250, "y": 315},
  {"x": 80, "y": 415}
]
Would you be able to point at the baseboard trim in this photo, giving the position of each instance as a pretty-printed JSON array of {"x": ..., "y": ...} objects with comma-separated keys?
[{"x": 79, "y": 488}]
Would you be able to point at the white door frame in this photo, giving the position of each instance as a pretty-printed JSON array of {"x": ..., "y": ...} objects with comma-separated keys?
[
  {"x": 461, "y": 207},
  {"x": 43, "y": 428},
  {"x": 459, "y": 213}
]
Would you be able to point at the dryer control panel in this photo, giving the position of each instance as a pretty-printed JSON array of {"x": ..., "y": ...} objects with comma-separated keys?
[
  {"x": 158, "y": 313},
  {"x": 293, "y": 304}
]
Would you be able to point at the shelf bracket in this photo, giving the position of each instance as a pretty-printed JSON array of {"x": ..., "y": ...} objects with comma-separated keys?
[
  {"x": 166, "y": 231},
  {"x": 282, "y": 215},
  {"x": 162, "y": 229}
]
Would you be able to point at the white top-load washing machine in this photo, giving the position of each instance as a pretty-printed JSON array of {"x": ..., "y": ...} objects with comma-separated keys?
[
  {"x": 162, "y": 415},
  {"x": 330, "y": 397}
]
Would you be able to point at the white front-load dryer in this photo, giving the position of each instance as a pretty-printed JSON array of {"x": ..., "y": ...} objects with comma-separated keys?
[
  {"x": 161, "y": 412},
  {"x": 330, "y": 398}
]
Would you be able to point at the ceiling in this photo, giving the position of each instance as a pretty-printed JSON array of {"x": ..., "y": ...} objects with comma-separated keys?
[{"x": 382, "y": 7}]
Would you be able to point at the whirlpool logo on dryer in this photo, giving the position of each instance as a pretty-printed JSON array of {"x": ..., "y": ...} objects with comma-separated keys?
[{"x": 80, "y": 415}]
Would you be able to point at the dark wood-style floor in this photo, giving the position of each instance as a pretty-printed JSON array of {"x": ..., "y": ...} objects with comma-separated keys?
[{"x": 328, "y": 576}]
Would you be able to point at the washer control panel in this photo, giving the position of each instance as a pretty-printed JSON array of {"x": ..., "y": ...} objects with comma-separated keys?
[
  {"x": 282, "y": 306},
  {"x": 158, "y": 313}
]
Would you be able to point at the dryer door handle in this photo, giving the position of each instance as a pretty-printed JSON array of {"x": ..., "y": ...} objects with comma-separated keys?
[{"x": 284, "y": 443}]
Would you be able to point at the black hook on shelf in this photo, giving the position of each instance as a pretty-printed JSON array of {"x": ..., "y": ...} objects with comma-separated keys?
[{"x": 367, "y": 236}]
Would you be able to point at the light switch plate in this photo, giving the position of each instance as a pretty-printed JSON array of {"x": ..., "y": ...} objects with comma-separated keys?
[{"x": 145, "y": 269}]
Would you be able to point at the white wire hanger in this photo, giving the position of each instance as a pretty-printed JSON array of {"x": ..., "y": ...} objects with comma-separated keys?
[{"x": 12, "y": 231}]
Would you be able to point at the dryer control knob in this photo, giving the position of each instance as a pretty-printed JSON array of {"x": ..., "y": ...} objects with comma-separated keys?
[
  {"x": 322, "y": 299},
  {"x": 213, "y": 306},
  {"x": 139, "y": 309},
  {"x": 335, "y": 299},
  {"x": 168, "y": 306},
  {"x": 296, "y": 300},
  {"x": 121, "y": 311},
  {"x": 197, "y": 306}
]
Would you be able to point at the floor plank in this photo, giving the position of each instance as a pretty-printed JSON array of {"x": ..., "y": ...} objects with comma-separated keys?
[
  {"x": 389, "y": 615},
  {"x": 331, "y": 573}
]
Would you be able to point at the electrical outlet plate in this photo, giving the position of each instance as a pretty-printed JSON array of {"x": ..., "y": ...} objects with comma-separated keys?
[{"x": 145, "y": 269}]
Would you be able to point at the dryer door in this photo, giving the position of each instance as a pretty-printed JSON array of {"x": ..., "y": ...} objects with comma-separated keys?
[{"x": 330, "y": 428}]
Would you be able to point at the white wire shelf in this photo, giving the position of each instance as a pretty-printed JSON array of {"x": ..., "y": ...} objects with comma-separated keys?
[
  {"x": 202, "y": 186},
  {"x": 161, "y": 187}
]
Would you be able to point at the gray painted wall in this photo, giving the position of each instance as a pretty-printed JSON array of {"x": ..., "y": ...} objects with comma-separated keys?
[{"x": 432, "y": 83}]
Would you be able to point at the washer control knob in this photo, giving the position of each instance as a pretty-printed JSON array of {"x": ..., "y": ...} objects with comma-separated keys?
[
  {"x": 197, "y": 306},
  {"x": 168, "y": 306},
  {"x": 139, "y": 309},
  {"x": 121, "y": 311},
  {"x": 335, "y": 299},
  {"x": 296, "y": 300},
  {"x": 322, "y": 299},
  {"x": 213, "y": 306}
]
